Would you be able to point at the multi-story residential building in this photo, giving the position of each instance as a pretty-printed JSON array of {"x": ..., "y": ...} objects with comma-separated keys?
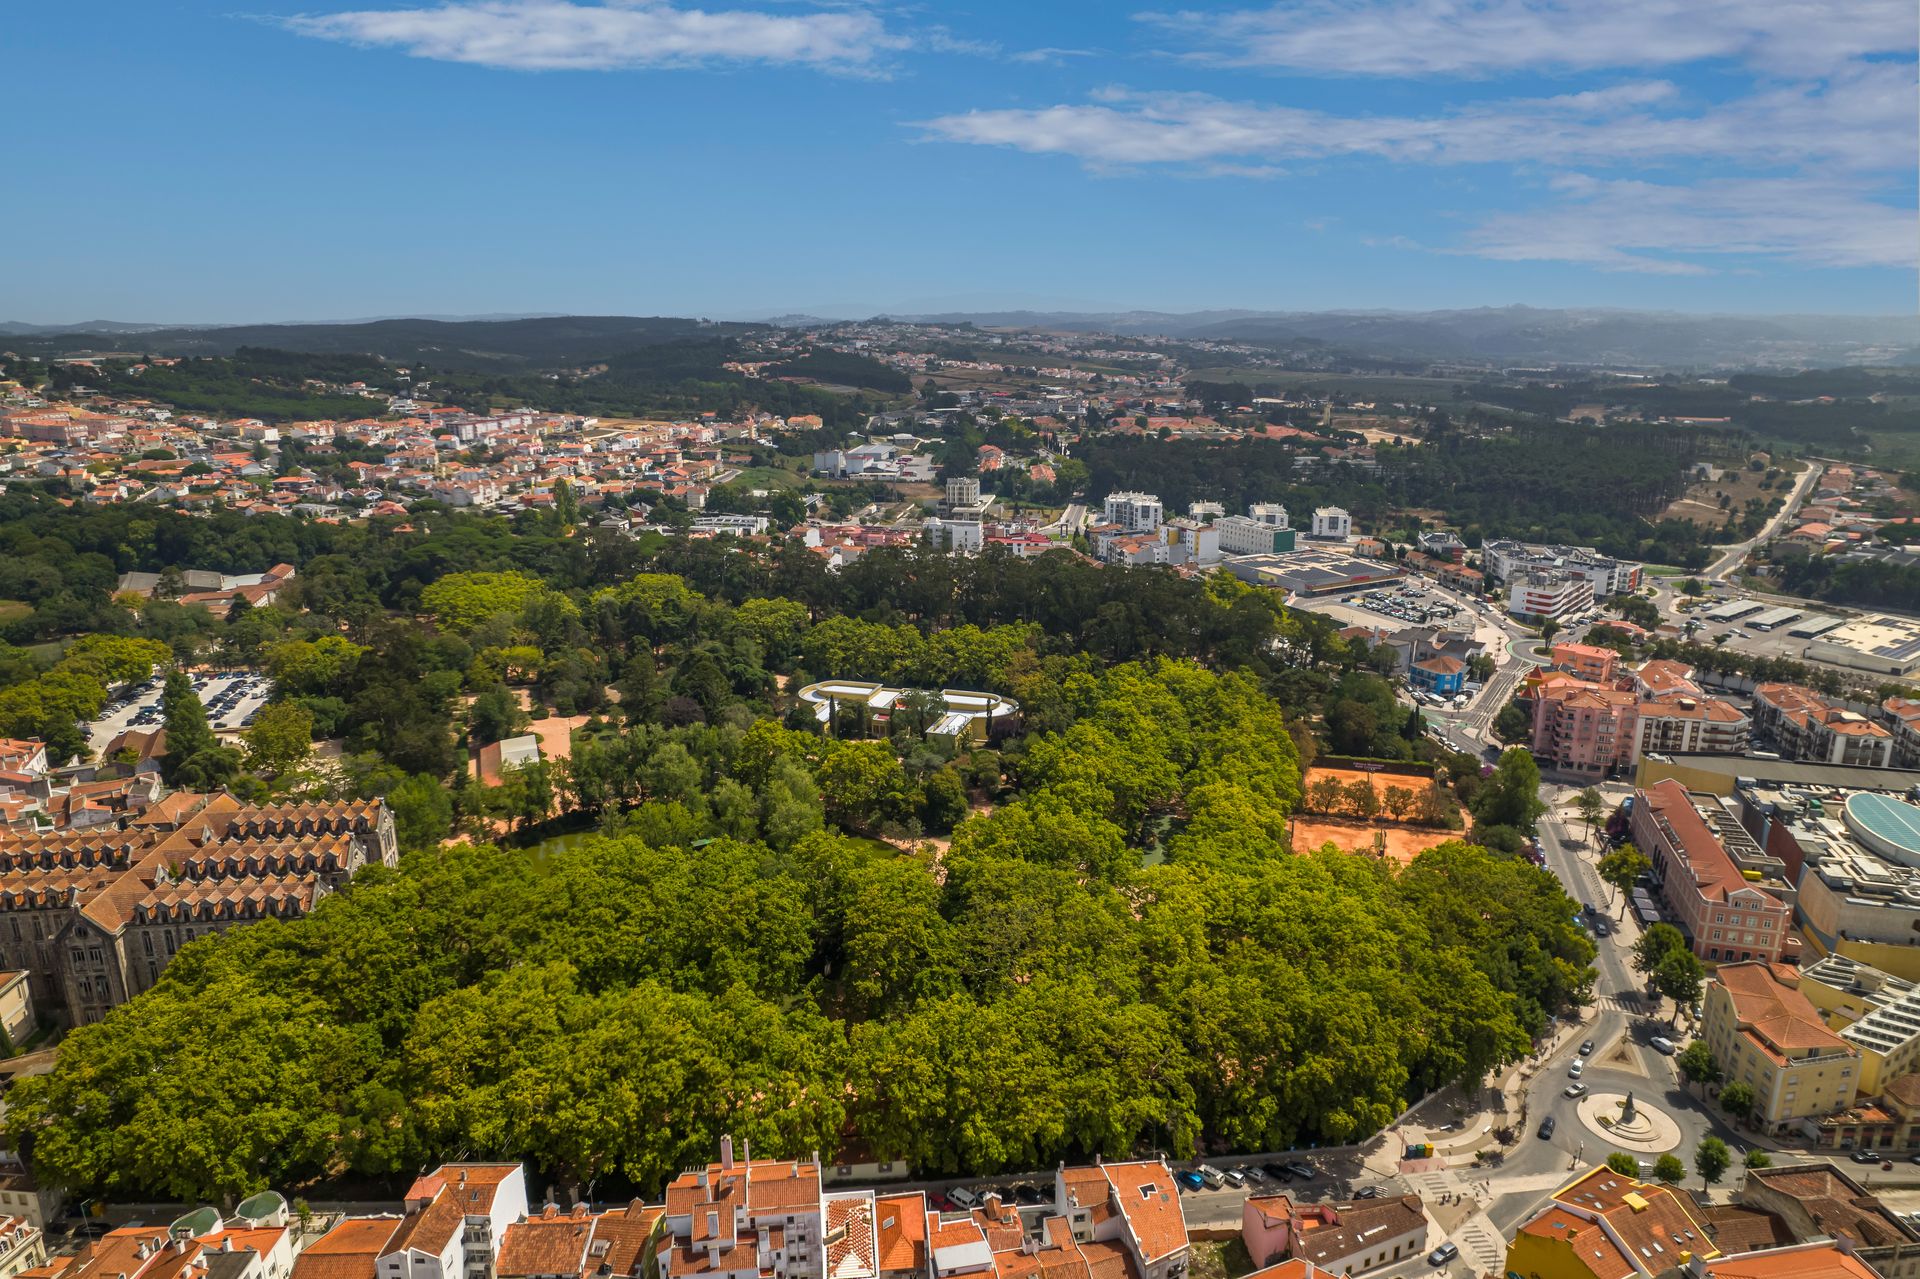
[
  {"x": 1584, "y": 729},
  {"x": 1903, "y": 720},
  {"x": 1442, "y": 546},
  {"x": 18, "y": 1018},
  {"x": 963, "y": 493},
  {"x": 1340, "y": 1238},
  {"x": 1589, "y": 661},
  {"x": 1440, "y": 674},
  {"x": 457, "y": 1216},
  {"x": 1876, "y": 1012},
  {"x": 1246, "y": 535},
  {"x": 745, "y": 1219},
  {"x": 1604, "y": 1225},
  {"x": 1191, "y": 542},
  {"x": 1725, "y": 916},
  {"x": 1134, "y": 512},
  {"x": 1332, "y": 522},
  {"x": 1548, "y": 595},
  {"x": 1506, "y": 560},
  {"x": 26, "y": 1198},
  {"x": 961, "y": 537},
  {"x": 1116, "y": 547},
  {"x": 1592, "y": 729},
  {"x": 1679, "y": 723},
  {"x": 1272, "y": 514},
  {"x": 1804, "y": 725},
  {"x": 1134, "y": 1205},
  {"x": 1768, "y": 1035},
  {"x": 93, "y": 915},
  {"x": 22, "y": 1246}
]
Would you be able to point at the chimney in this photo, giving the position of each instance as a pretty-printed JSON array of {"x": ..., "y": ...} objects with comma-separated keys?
[
  {"x": 726, "y": 1151},
  {"x": 713, "y": 1224},
  {"x": 746, "y": 1151}
]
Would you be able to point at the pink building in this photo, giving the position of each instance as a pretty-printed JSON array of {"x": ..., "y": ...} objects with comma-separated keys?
[
  {"x": 1725, "y": 915},
  {"x": 1589, "y": 661}
]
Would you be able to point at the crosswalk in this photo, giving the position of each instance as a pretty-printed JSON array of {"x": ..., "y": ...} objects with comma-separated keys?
[{"x": 1482, "y": 1248}]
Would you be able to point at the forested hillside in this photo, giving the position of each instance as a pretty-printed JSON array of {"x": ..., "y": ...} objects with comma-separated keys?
[{"x": 1559, "y": 483}]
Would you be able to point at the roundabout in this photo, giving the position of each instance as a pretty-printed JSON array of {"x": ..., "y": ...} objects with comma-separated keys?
[{"x": 1629, "y": 1123}]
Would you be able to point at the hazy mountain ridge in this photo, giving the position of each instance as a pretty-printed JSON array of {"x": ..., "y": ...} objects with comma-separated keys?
[
  {"x": 507, "y": 345},
  {"x": 1489, "y": 335},
  {"x": 1516, "y": 334}
]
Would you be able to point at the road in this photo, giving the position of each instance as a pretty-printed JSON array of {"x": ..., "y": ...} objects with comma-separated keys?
[{"x": 1735, "y": 555}]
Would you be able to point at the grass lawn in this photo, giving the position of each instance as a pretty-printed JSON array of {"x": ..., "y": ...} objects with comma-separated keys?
[
  {"x": 767, "y": 477},
  {"x": 14, "y": 611}
]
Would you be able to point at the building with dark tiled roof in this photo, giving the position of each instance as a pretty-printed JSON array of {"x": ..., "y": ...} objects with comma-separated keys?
[{"x": 94, "y": 914}]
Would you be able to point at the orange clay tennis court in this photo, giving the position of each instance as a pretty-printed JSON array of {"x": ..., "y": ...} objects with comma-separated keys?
[{"x": 1403, "y": 843}]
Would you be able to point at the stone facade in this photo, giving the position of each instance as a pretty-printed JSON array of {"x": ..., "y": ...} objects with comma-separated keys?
[{"x": 94, "y": 916}]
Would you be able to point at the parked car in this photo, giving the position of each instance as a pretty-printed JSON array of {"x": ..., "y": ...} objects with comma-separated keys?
[
  {"x": 1865, "y": 1157},
  {"x": 1578, "y": 1068},
  {"x": 1214, "y": 1177},
  {"x": 963, "y": 1198},
  {"x": 1586, "y": 1049},
  {"x": 1252, "y": 1174},
  {"x": 1302, "y": 1172},
  {"x": 1367, "y": 1192},
  {"x": 1546, "y": 1127},
  {"x": 1574, "y": 1090},
  {"x": 1661, "y": 1044},
  {"x": 1190, "y": 1179},
  {"x": 1278, "y": 1172},
  {"x": 1443, "y": 1254},
  {"x": 1235, "y": 1178},
  {"x": 1028, "y": 1193}
]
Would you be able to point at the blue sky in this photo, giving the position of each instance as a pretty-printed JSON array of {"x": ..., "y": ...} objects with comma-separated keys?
[{"x": 231, "y": 160}]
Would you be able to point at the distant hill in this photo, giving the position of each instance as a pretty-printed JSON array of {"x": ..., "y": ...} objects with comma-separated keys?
[
  {"x": 1516, "y": 335},
  {"x": 469, "y": 345}
]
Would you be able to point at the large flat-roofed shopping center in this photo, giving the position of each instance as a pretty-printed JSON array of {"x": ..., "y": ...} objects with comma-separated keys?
[{"x": 949, "y": 712}]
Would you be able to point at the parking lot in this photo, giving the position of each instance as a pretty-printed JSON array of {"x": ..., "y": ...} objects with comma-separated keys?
[{"x": 232, "y": 699}]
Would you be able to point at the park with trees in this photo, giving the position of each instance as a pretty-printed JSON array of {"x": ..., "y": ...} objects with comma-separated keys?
[{"x": 718, "y": 914}]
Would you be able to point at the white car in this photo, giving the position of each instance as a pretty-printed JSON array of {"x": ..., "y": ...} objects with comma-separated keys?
[{"x": 1577, "y": 1069}]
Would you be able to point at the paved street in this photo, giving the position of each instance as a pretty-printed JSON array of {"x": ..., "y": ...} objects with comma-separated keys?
[{"x": 1733, "y": 555}]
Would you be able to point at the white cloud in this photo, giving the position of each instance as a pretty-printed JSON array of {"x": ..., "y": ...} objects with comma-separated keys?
[
  {"x": 553, "y": 35},
  {"x": 1861, "y": 120},
  {"x": 1490, "y": 37},
  {"x": 1630, "y": 225}
]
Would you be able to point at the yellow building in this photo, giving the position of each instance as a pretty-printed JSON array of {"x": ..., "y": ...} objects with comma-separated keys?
[
  {"x": 1765, "y": 1033},
  {"x": 1877, "y": 1012},
  {"x": 1609, "y": 1226}
]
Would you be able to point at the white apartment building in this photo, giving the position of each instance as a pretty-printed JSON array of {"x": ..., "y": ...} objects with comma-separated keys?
[
  {"x": 1191, "y": 541},
  {"x": 1241, "y": 535},
  {"x": 1549, "y": 595},
  {"x": 1271, "y": 514},
  {"x": 1332, "y": 522},
  {"x": 1134, "y": 512},
  {"x": 1504, "y": 560},
  {"x": 456, "y": 1216},
  {"x": 963, "y": 490},
  {"x": 961, "y": 537}
]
